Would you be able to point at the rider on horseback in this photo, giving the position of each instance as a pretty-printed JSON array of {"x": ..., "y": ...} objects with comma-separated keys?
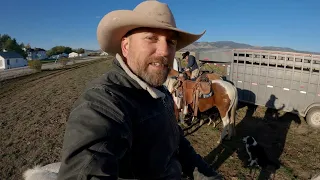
[{"x": 192, "y": 64}]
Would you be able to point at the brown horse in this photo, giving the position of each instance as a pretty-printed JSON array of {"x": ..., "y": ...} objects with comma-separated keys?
[{"x": 202, "y": 95}]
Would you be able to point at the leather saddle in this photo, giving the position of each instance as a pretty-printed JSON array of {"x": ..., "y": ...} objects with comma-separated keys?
[{"x": 195, "y": 90}]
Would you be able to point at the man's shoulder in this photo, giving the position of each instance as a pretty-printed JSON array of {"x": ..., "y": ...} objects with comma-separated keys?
[
  {"x": 191, "y": 57},
  {"x": 108, "y": 83},
  {"x": 104, "y": 95}
]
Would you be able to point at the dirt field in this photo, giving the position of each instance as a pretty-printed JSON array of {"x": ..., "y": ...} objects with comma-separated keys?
[{"x": 34, "y": 110}]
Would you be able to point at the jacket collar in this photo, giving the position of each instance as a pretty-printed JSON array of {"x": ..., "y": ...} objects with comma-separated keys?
[{"x": 155, "y": 93}]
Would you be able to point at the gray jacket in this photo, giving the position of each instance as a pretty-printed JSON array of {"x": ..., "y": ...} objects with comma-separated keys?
[{"x": 121, "y": 127}]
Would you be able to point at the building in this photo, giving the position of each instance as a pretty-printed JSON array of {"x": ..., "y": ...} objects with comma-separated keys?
[
  {"x": 73, "y": 54},
  {"x": 36, "y": 54},
  {"x": 104, "y": 54},
  {"x": 11, "y": 59}
]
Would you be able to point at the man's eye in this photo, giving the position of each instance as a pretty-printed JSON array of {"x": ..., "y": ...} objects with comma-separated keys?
[
  {"x": 173, "y": 42},
  {"x": 152, "y": 38}
]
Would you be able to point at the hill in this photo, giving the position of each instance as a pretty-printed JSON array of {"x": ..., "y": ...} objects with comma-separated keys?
[{"x": 221, "y": 45}]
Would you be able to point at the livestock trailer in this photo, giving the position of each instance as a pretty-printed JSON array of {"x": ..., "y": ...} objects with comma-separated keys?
[{"x": 280, "y": 80}]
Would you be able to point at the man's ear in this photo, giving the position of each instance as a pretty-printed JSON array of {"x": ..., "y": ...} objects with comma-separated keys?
[{"x": 125, "y": 46}]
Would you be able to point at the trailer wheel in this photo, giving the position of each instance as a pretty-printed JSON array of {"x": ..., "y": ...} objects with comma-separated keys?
[{"x": 313, "y": 117}]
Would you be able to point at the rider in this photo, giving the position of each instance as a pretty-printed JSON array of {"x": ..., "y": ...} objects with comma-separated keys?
[{"x": 192, "y": 64}]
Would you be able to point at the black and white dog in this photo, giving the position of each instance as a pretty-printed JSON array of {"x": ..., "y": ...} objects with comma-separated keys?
[{"x": 257, "y": 154}]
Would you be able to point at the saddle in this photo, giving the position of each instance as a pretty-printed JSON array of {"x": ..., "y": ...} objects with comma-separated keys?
[
  {"x": 195, "y": 90},
  {"x": 204, "y": 89}
]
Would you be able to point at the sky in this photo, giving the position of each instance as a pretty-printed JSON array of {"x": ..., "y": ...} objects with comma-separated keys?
[{"x": 284, "y": 23}]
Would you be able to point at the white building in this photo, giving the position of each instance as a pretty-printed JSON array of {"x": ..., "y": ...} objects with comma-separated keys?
[
  {"x": 11, "y": 59},
  {"x": 73, "y": 54},
  {"x": 104, "y": 54},
  {"x": 36, "y": 53}
]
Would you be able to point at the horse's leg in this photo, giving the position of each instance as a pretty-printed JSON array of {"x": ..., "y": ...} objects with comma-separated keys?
[
  {"x": 214, "y": 121},
  {"x": 193, "y": 118},
  {"x": 226, "y": 123},
  {"x": 201, "y": 122},
  {"x": 232, "y": 129},
  {"x": 181, "y": 117},
  {"x": 210, "y": 121},
  {"x": 180, "y": 111}
]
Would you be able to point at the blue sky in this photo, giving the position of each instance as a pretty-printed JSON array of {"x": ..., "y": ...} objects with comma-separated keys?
[{"x": 285, "y": 23}]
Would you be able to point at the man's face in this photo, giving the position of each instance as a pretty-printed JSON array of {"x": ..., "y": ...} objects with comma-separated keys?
[{"x": 149, "y": 54}]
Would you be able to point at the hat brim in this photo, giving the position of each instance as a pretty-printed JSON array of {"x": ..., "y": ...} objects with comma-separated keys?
[{"x": 114, "y": 25}]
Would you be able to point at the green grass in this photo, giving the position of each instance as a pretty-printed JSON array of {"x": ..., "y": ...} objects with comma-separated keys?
[
  {"x": 47, "y": 61},
  {"x": 208, "y": 67}
]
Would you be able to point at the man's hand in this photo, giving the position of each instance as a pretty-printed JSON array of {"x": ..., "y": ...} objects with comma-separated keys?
[
  {"x": 199, "y": 176},
  {"x": 187, "y": 69}
]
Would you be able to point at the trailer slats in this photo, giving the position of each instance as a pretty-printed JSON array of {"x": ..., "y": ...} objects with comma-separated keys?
[{"x": 274, "y": 79}]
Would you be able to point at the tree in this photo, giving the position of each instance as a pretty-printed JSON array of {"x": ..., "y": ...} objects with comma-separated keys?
[
  {"x": 80, "y": 51},
  {"x": 11, "y": 44},
  {"x": 27, "y": 46},
  {"x": 59, "y": 50}
]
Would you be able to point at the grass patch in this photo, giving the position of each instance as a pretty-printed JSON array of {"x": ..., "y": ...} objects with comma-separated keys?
[{"x": 35, "y": 64}]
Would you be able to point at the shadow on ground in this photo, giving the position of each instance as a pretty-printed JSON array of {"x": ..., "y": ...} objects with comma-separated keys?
[{"x": 270, "y": 131}]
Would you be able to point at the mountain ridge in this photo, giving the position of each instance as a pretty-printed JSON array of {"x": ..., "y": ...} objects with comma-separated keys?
[{"x": 225, "y": 45}]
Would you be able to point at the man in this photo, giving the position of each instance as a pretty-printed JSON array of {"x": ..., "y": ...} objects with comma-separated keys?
[
  {"x": 192, "y": 64},
  {"x": 123, "y": 125}
]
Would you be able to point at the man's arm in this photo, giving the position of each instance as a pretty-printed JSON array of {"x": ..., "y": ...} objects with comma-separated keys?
[
  {"x": 96, "y": 137},
  {"x": 189, "y": 159}
]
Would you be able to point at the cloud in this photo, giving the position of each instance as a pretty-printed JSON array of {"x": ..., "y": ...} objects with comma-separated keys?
[{"x": 98, "y": 17}]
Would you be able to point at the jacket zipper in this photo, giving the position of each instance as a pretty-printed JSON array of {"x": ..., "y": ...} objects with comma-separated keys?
[{"x": 173, "y": 125}]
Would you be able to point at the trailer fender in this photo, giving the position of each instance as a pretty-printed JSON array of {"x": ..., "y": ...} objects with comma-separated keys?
[{"x": 303, "y": 114}]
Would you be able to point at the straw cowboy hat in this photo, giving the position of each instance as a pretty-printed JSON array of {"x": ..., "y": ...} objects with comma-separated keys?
[{"x": 153, "y": 14}]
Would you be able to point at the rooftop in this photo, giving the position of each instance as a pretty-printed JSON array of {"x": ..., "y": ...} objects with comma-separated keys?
[{"x": 10, "y": 54}]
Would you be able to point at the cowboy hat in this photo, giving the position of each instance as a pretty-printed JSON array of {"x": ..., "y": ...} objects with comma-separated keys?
[{"x": 153, "y": 14}]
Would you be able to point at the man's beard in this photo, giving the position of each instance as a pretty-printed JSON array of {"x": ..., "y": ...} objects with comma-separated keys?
[{"x": 156, "y": 78}]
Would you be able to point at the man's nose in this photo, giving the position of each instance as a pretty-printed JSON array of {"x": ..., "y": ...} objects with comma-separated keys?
[{"x": 163, "y": 48}]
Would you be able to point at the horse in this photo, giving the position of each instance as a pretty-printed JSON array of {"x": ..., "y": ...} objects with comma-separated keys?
[
  {"x": 172, "y": 83},
  {"x": 207, "y": 91}
]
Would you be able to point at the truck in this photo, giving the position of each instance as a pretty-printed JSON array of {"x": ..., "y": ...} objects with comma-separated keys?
[{"x": 280, "y": 80}]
